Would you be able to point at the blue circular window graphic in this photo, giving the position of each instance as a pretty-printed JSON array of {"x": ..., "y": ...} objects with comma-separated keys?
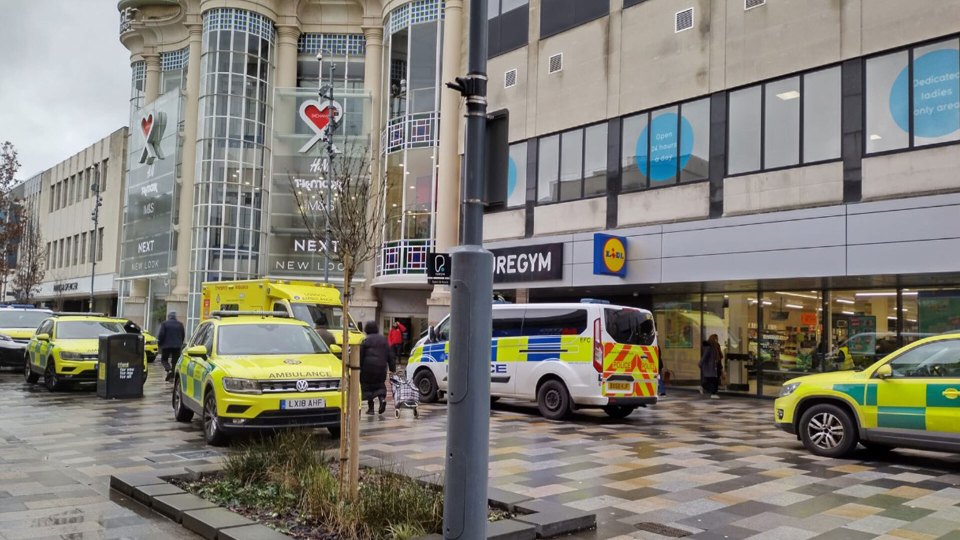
[
  {"x": 511, "y": 177},
  {"x": 662, "y": 133},
  {"x": 936, "y": 91}
]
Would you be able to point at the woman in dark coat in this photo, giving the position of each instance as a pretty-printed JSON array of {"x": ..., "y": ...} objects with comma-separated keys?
[
  {"x": 711, "y": 366},
  {"x": 375, "y": 360}
]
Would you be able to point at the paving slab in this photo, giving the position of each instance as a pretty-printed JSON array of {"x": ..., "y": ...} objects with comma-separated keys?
[
  {"x": 145, "y": 494},
  {"x": 124, "y": 483},
  {"x": 207, "y": 522},
  {"x": 251, "y": 532},
  {"x": 509, "y": 529},
  {"x": 173, "y": 506},
  {"x": 552, "y": 519}
]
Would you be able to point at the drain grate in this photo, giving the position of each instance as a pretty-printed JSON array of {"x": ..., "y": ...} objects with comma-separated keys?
[{"x": 662, "y": 530}]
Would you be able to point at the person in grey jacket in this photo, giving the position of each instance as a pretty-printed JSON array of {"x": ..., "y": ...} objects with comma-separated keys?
[
  {"x": 170, "y": 340},
  {"x": 375, "y": 359}
]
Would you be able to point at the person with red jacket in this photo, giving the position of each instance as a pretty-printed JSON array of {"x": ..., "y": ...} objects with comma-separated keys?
[{"x": 395, "y": 339}]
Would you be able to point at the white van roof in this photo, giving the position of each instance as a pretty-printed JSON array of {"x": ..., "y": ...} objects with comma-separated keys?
[{"x": 567, "y": 305}]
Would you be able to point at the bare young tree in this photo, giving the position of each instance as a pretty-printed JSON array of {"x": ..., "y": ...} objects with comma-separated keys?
[
  {"x": 31, "y": 264},
  {"x": 348, "y": 222},
  {"x": 11, "y": 214}
]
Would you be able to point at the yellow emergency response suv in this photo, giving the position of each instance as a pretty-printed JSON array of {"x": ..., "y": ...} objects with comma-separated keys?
[
  {"x": 315, "y": 303},
  {"x": 256, "y": 370},
  {"x": 910, "y": 398},
  {"x": 65, "y": 348}
]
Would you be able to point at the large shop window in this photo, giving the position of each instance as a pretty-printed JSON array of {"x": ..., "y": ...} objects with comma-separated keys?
[
  {"x": 573, "y": 165},
  {"x": 784, "y": 123},
  {"x": 913, "y": 97},
  {"x": 508, "y": 25},
  {"x": 666, "y": 145},
  {"x": 517, "y": 175},
  {"x": 559, "y": 15}
]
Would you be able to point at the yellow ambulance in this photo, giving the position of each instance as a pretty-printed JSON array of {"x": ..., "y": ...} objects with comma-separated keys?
[{"x": 315, "y": 303}]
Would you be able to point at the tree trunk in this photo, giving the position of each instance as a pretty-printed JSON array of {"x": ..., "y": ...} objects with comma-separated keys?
[
  {"x": 344, "y": 383},
  {"x": 350, "y": 431}
]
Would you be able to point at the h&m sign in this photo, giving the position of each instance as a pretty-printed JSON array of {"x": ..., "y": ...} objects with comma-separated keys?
[{"x": 528, "y": 263}]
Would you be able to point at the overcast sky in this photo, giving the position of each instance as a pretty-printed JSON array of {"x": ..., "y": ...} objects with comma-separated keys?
[{"x": 64, "y": 78}]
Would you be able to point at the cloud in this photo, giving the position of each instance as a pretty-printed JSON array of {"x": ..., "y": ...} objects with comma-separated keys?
[{"x": 66, "y": 78}]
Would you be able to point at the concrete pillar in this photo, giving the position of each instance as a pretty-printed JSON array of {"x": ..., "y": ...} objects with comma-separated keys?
[
  {"x": 177, "y": 300},
  {"x": 365, "y": 299},
  {"x": 448, "y": 185},
  {"x": 151, "y": 83},
  {"x": 286, "y": 75}
]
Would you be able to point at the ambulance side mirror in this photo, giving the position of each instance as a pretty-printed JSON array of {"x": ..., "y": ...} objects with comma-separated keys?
[
  {"x": 197, "y": 351},
  {"x": 335, "y": 349},
  {"x": 884, "y": 372},
  {"x": 432, "y": 334},
  {"x": 43, "y": 337}
]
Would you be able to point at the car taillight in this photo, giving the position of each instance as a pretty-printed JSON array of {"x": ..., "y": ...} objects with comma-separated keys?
[
  {"x": 597, "y": 346},
  {"x": 659, "y": 359}
]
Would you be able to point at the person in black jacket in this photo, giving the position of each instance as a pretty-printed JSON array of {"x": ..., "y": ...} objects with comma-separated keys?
[
  {"x": 170, "y": 339},
  {"x": 375, "y": 359}
]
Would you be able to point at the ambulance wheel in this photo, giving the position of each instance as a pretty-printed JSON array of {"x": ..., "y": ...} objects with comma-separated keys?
[
  {"x": 334, "y": 431},
  {"x": 553, "y": 400},
  {"x": 212, "y": 430},
  {"x": 180, "y": 411},
  {"x": 28, "y": 374},
  {"x": 827, "y": 430},
  {"x": 426, "y": 383},
  {"x": 618, "y": 411},
  {"x": 50, "y": 379}
]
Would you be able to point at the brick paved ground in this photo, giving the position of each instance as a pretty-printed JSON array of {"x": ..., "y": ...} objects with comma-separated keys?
[{"x": 715, "y": 469}]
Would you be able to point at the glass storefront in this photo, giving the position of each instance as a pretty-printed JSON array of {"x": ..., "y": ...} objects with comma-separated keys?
[{"x": 773, "y": 336}]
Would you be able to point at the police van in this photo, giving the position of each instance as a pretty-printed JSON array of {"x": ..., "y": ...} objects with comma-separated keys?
[{"x": 563, "y": 356}]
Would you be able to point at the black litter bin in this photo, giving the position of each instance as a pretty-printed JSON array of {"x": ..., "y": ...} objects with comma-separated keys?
[{"x": 120, "y": 371}]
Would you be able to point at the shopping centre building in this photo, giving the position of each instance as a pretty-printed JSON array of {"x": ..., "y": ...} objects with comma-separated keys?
[
  {"x": 79, "y": 254},
  {"x": 779, "y": 173}
]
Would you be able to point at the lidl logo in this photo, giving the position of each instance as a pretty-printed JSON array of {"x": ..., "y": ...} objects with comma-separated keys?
[{"x": 609, "y": 255}]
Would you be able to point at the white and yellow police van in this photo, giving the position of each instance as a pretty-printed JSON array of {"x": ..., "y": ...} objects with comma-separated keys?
[{"x": 563, "y": 356}]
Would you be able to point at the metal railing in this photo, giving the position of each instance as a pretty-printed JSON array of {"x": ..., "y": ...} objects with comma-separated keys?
[{"x": 403, "y": 257}]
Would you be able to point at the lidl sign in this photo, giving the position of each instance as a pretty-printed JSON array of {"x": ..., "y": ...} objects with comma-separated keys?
[{"x": 609, "y": 255}]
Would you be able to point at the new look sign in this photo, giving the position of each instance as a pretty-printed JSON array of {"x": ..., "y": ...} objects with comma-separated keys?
[{"x": 528, "y": 263}]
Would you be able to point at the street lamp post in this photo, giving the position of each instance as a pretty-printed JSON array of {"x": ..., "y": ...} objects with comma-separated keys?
[
  {"x": 326, "y": 92},
  {"x": 95, "y": 215}
]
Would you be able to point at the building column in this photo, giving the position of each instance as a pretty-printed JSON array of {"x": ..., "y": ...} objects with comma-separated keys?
[
  {"x": 151, "y": 83},
  {"x": 287, "y": 42},
  {"x": 448, "y": 185},
  {"x": 365, "y": 299},
  {"x": 177, "y": 301}
]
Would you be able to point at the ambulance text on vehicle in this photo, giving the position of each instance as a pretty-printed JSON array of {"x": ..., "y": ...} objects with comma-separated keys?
[{"x": 563, "y": 356}]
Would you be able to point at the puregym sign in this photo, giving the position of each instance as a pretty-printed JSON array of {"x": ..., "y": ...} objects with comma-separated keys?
[{"x": 528, "y": 263}]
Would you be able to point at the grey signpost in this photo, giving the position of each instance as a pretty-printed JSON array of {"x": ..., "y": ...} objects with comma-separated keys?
[{"x": 468, "y": 399}]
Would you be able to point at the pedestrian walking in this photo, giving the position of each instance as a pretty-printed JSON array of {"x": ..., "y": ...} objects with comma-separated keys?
[
  {"x": 376, "y": 359},
  {"x": 170, "y": 340},
  {"x": 395, "y": 339},
  {"x": 711, "y": 366}
]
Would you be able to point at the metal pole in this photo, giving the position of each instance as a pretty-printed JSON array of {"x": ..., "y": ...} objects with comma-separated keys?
[
  {"x": 93, "y": 240},
  {"x": 468, "y": 422}
]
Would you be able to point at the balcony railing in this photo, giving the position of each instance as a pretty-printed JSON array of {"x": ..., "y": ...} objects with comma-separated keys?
[{"x": 403, "y": 258}]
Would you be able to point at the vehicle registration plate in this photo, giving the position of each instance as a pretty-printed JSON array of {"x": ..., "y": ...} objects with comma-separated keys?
[
  {"x": 619, "y": 386},
  {"x": 317, "y": 403}
]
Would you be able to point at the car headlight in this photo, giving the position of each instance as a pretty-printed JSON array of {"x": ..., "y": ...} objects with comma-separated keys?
[
  {"x": 151, "y": 342},
  {"x": 788, "y": 389},
  {"x": 241, "y": 386},
  {"x": 4, "y": 337},
  {"x": 67, "y": 355}
]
